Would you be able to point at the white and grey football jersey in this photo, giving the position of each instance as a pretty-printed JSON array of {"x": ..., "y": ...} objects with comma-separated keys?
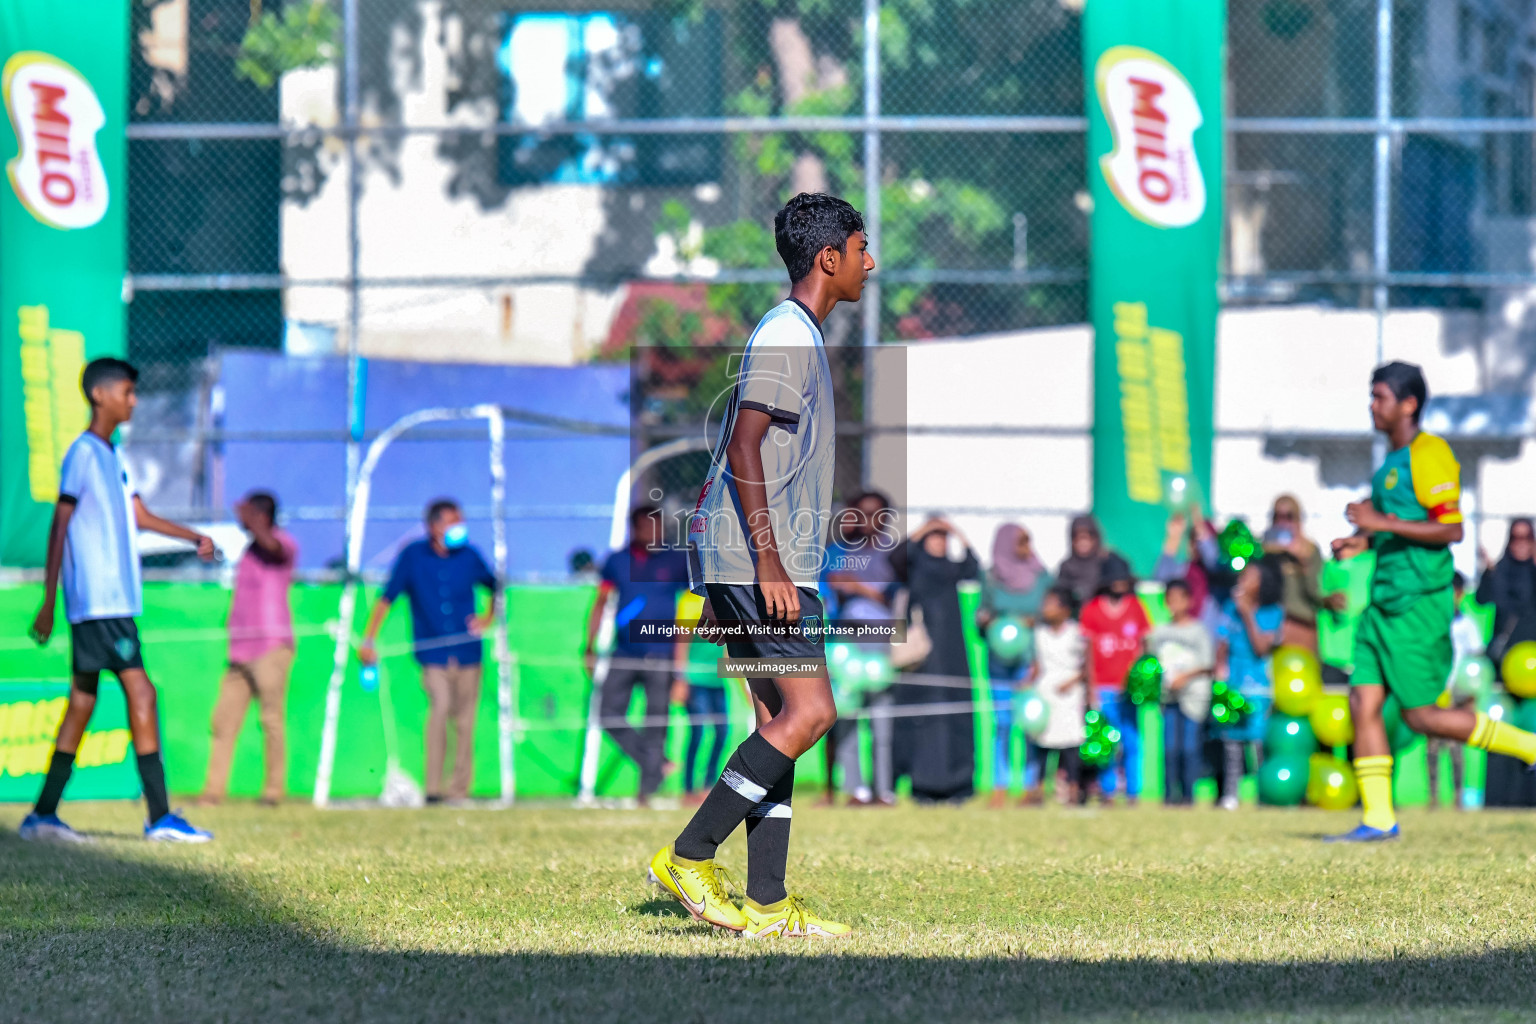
[
  {"x": 102, "y": 578},
  {"x": 782, "y": 372}
]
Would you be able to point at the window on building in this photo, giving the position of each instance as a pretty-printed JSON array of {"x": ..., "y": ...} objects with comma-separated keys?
[{"x": 600, "y": 66}]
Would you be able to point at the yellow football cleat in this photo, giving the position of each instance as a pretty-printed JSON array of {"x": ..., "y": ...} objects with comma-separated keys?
[
  {"x": 698, "y": 885},
  {"x": 789, "y": 918}
]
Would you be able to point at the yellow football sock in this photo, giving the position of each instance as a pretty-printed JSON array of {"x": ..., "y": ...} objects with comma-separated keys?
[
  {"x": 1374, "y": 775},
  {"x": 1503, "y": 738}
]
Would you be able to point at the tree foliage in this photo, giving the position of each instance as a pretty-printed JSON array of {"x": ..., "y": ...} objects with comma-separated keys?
[
  {"x": 948, "y": 199},
  {"x": 302, "y": 36}
]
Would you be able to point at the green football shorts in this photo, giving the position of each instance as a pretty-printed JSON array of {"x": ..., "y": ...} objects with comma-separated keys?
[{"x": 1409, "y": 652}]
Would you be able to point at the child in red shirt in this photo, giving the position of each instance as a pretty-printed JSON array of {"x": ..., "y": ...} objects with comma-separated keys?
[{"x": 1116, "y": 626}]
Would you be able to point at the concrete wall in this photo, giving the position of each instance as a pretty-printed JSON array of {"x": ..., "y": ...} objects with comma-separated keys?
[
  {"x": 415, "y": 220},
  {"x": 1292, "y": 385}
]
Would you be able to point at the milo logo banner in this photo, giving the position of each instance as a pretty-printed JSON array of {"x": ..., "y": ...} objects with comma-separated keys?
[
  {"x": 105, "y": 767},
  {"x": 1155, "y": 71},
  {"x": 63, "y": 213}
]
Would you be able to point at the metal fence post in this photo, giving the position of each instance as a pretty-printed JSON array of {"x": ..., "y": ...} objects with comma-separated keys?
[
  {"x": 351, "y": 101},
  {"x": 869, "y": 305},
  {"x": 1381, "y": 188}
]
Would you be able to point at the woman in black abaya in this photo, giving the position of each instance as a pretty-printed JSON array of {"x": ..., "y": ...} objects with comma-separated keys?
[{"x": 938, "y": 751}]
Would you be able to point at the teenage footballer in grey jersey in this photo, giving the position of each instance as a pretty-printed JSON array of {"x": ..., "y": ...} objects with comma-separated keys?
[
  {"x": 758, "y": 534},
  {"x": 93, "y": 543}
]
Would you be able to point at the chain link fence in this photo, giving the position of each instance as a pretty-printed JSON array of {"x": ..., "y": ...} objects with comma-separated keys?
[{"x": 565, "y": 184}]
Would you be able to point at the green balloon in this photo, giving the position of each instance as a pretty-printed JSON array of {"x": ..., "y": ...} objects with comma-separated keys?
[
  {"x": 1030, "y": 712},
  {"x": 1283, "y": 779},
  {"x": 1473, "y": 678},
  {"x": 1525, "y": 715},
  {"x": 1288, "y": 735},
  {"x": 1009, "y": 639},
  {"x": 1501, "y": 708},
  {"x": 1228, "y": 707},
  {"x": 842, "y": 666},
  {"x": 1237, "y": 544},
  {"x": 1098, "y": 750},
  {"x": 1144, "y": 682}
]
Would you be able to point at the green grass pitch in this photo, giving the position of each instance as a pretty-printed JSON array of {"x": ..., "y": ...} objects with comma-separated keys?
[{"x": 541, "y": 914}]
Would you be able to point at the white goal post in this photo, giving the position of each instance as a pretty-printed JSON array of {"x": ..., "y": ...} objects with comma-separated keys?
[{"x": 506, "y": 697}]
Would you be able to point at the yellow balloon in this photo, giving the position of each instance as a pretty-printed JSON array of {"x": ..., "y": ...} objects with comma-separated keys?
[
  {"x": 1296, "y": 661},
  {"x": 1298, "y": 680},
  {"x": 1520, "y": 669},
  {"x": 1331, "y": 722},
  {"x": 1331, "y": 783},
  {"x": 1444, "y": 700},
  {"x": 1295, "y": 696}
]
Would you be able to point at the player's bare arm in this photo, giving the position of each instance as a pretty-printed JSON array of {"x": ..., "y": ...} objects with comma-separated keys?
[
  {"x": 263, "y": 532},
  {"x": 594, "y": 624},
  {"x": 147, "y": 520},
  {"x": 744, "y": 453},
  {"x": 1427, "y": 531},
  {"x": 42, "y": 625},
  {"x": 367, "y": 653}
]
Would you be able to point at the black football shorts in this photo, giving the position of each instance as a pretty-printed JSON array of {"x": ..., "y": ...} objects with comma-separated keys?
[
  {"x": 105, "y": 645},
  {"x": 770, "y": 638}
]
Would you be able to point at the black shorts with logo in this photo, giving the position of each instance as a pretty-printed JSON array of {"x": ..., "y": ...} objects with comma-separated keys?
[
  {"x": 735, "y": 603},
  {"x": 105, "y": 645}
]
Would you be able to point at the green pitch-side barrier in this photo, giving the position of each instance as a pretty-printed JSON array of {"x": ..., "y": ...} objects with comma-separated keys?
[
  {"x": 185, "y": 654},
  {"x": 184, "y": 649}
]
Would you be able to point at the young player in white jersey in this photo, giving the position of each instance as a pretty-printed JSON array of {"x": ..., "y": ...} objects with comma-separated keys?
[
  {"x": 94, "y": 543},
  {"x": 757, "y": 543}
]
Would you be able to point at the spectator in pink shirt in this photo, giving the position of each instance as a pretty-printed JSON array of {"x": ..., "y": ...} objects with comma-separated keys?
[{"x": 260, "y": 649}]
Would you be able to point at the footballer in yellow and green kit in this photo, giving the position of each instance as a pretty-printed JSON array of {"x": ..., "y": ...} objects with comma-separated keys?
[{"x": 1403, "y": 641}]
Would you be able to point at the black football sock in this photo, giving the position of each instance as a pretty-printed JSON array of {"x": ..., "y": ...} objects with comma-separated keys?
[
  {"x": 59, "y": 770},
  {"x": 768, "y": 842},
  {"x": 152, "y": 774},
  {"x": 751, "y": 772}
]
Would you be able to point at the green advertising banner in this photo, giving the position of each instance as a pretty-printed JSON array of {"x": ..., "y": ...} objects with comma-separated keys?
[
  {"x": 63, "y": 216},
  {"x": 29, "y": 720},
  {"x": 1155, "y": 73}
]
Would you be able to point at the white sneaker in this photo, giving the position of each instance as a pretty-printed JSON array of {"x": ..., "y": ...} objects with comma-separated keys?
[{"x": 1229, "y": 803}]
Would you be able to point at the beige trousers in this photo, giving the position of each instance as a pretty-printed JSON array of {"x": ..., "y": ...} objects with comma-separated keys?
[
  {"x": 265, "y": 679},
  {"x": 453, "y": 691}
]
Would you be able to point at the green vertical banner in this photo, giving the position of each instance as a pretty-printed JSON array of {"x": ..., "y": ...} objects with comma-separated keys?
[
  {"x": 1155, "y": 77},
  {"x": 63, "y": 218}
]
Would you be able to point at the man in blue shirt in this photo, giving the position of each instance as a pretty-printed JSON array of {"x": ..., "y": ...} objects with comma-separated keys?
[
  {"x": 439, "y": 574},
  {"x": 647, "y": 576}
]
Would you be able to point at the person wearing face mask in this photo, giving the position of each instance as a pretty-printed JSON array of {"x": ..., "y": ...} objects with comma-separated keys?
[{"x": 439, "y": 574}]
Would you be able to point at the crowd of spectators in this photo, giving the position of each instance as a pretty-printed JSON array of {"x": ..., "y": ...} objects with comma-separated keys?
[
  {"x": 1084, "y": 624},
  {"x": 1087, "y": 623}
]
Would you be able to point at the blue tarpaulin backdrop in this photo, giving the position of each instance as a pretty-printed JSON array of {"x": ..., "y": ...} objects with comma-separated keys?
[{"x": 559, "y": 485}]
